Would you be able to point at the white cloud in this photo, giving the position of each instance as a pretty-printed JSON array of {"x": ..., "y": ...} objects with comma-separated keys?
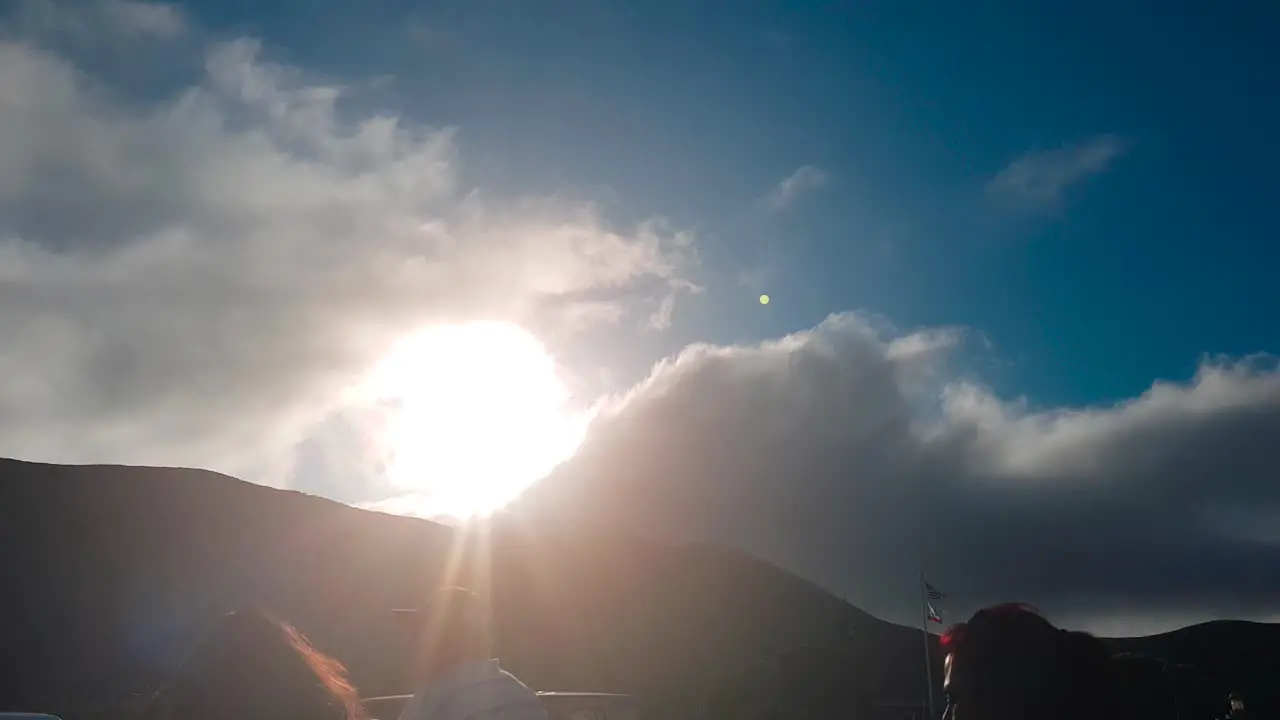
[
  {"x": 196, "y": 281},
  {"x": 144, "y": 18},
  {"x": 851, "y": 454},
  {"x": 89, "y": 19},
  {"x": 1040, "y": 179},
  {"x": 790, "y": 188}
]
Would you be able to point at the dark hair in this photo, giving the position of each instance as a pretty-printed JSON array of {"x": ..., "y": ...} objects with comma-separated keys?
[
  {"x": 1009, "y": 661},
  {"x": 251, "y": 666}
]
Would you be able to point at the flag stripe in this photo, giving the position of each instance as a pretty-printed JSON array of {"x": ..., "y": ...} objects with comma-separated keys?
[{"x": 934, "y": 593}]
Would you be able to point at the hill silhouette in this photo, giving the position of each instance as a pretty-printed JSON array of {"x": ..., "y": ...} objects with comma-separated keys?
[
  {"x": 1210, "y": 660},
  {"x": 110, "y": 572}
]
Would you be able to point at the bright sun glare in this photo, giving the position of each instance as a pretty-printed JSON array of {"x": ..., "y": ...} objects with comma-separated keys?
[{"x": 480, "y": 414}]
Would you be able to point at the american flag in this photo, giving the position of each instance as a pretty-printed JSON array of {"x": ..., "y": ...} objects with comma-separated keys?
[
  {"x": 933, "y": 614},
  {"x": 934, "y": 593}
]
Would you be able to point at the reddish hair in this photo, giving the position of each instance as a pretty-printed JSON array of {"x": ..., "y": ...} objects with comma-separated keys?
[{"x": 251, "y": 666}]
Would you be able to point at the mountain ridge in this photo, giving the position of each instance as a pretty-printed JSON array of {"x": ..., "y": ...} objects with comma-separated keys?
[{"x": 111, "y": 570}]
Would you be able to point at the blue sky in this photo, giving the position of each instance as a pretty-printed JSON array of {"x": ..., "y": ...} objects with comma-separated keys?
[{"x": 909, "y": 109}]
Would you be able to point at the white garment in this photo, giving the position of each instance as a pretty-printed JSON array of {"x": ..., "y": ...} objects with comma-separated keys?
[{"x": 478, "y": 690}]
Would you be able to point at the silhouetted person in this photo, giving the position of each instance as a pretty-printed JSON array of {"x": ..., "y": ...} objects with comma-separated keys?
[
  {"x": 451, "y": 661},
  {"x": 1009, "y": 663},
  {"x": 253, "y": 667}
]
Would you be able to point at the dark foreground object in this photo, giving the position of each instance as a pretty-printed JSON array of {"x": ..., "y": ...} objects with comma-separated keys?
[
  {"x": 110, "y": 573},
  {"x": 559, "y": 705}
]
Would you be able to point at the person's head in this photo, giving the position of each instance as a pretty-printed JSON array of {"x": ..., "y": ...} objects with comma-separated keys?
[
  {"x": 1008, "y": 663},
  {"x": 253, "y": 667},
  {"x": 452, "y": 628}
]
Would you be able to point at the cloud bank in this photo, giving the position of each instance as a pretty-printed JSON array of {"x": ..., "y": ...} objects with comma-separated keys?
[
  {"x": 197, "y": 279},
  {"x": 850, "y": 454}
]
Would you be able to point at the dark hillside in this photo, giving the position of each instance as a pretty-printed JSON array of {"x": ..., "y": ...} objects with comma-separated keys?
[
  {"x": 110, "y": 572},
  {"x": 1211, "y": 660}
]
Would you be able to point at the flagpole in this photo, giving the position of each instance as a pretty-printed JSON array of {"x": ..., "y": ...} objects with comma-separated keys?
[{"x": 924, "y": 628}]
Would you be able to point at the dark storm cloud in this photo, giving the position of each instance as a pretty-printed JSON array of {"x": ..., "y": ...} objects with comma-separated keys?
[{"x": 846, "y": 454}]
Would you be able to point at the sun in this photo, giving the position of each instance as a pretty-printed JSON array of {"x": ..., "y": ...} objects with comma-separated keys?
[{"x": 478, "y": 413}]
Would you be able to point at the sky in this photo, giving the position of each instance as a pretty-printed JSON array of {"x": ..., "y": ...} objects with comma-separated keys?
[{"x": 1020, "y": 262}]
